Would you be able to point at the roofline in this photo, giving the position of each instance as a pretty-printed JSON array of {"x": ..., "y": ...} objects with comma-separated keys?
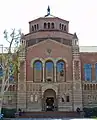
[{"x": 47, "y": 18}]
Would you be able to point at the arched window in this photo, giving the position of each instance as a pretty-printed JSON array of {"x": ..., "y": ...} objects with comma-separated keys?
[
  {"x": 88, "y": 72},
  {"x": 60, "y": 25},
  {"x": 45, "y": 26},
  {"x": 94, "y": 86},
  {"x": 52, "y": 25},
  {"x": 65, "y": 28},
  {"x": 35, "y": 27},
  {"x": 37, "y": 71},
  {"x": 85, "y": 86},
  {"x": 48, "y": 25},
  {"x": 88, "y": 87},
  {"x": 61, "y": 71},
  {"x": 32, "y": 28},
  {"x": 49, "y": 69},
  {"x": 96, "y": 71},
  {"x": 67, "y": 99}
]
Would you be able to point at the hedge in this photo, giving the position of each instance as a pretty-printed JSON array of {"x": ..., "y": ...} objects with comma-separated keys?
[{"x": 8, "y": 113}]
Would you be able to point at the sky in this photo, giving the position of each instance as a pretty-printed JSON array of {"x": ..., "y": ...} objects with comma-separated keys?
[{"x": 81, "y": 14}]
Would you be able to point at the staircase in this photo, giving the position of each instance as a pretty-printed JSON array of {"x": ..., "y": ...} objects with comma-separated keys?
[{"x": 49, "y": 114}]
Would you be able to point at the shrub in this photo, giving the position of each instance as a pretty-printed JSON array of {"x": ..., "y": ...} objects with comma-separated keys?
[{"x": 8, "y": 113}]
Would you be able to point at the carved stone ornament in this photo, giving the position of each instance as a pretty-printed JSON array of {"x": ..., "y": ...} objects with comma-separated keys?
[{"x": 49, "y": 51}]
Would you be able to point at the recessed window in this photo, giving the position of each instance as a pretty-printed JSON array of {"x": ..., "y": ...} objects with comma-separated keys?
[
  {"x": 48, "y": 25},
  {"x": 52, "y": 25},
  {"x": 37, "y": 26},
  {"x": 88, "y": 72},
  {"x": 45, "y": 26},
  {"x": 65, "y": 28},
  {"x": 60, "y": 25},
  {"x": 67, "y": 99},
  {"x": 32, "y": 28}
]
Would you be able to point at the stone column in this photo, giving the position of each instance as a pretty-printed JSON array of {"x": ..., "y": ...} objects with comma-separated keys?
[
  {"x": 21, "y": 91},
  {"x": 77, "y": 89},
  {"x": 55, "y": 72},
  {"x": 43, "y": 72}
]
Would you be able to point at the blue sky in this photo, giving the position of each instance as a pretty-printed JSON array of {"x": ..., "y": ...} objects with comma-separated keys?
[{"x": 82, "y": 15}]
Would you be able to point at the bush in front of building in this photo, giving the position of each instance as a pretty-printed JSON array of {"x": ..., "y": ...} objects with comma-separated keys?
[
  {"x": 8, "y": 113},
  {"x": 90, "y": 112}
]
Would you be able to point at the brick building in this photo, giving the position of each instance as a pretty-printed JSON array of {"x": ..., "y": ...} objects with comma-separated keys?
[{"x": 54, "y": 72}]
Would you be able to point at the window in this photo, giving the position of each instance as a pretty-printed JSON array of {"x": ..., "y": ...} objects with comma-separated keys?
[
  {"x": 65, "y": 28},
  {"x": 88, "y": 72},
  {"x": 52, "y": 25},
  {"x": 67, "y": 99},
  {"x": 37, "y": 70},
  {"x": 48, "y": 25},
  {"x": 61, "y": 71},
  {"x": 60, "y": 67},
  {"x": 60, "y": 25},
  {"x": 32, "y": 28},
  {"x": 38, "y": 65},
  {"x": 85, "y": 87},
  {"x": 96, "y": 70},
  {"x": 37, "y": 26},
  {"x": 44, "y": 25},
  {"x": 49, "y": 71},
  {"x": 49, "y": 66}
]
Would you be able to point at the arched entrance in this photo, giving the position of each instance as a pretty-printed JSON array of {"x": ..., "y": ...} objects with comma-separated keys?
[{"x": 49, "y": 99}]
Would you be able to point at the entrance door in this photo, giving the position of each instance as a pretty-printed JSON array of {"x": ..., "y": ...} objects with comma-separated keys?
[
  {"x": 50, "y": 104},
  {"x": 49, "y": 100}
]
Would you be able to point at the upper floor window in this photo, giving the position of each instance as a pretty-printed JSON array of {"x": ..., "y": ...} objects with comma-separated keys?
[
  {"x": 60, "y": 25},
  {"x": 61, "y": 67},
  {"x": 32, "y": 28},
  {"x": 96, "y": 71},
  {"x": 52, "y": 25},
  {"x": 48, "y": 25},
  {"x": 88, "y": 72},
  {"x": 37, "y": 26},
  {"x": 38, "y": 65},
  {"x": 45, "y": 26},
  {"x": 65, "y": 28},
  {"x": 49, "y": 66}
]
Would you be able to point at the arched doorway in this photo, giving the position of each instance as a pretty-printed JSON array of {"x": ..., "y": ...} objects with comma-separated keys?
[{"x": 49, "y": 100}]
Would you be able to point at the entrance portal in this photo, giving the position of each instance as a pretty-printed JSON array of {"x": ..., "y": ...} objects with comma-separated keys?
[
  {"x": 50, "y": 104},
  {"x": 49, "y": 100}
]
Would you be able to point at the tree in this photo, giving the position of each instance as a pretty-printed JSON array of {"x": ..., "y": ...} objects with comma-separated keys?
[{"x": 9, "y": 62}]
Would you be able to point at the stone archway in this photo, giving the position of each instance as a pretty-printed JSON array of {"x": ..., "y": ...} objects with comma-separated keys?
[{"x": 49, "y": 100}]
